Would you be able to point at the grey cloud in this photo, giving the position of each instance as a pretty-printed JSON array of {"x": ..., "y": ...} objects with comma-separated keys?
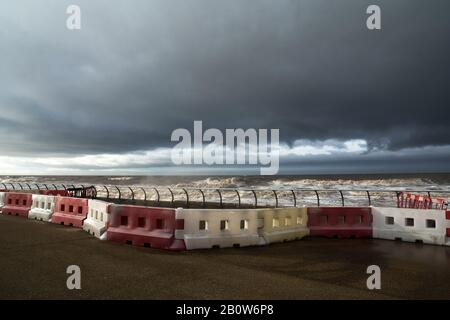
[{"x": 138, "y": 70}]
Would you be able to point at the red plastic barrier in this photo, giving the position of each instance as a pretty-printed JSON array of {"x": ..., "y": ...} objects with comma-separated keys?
[
  {"x": 17, "y": 204},
  {"x": 414, "y": 201},
  {"x": 440, "y": 203},
  {"x": 417, "y": 201},
  {"x": 428, "y": 203},
  {"x": 400, "y": 200},
  {"x": 447, "y": 217},
  {"x": 62, "y": 193},
  {"x": 70, "y": 211},
  {"x": 144, "y": 226},
  {"x": 340, "y": 222},
  {"x": 408, "y": 200}
]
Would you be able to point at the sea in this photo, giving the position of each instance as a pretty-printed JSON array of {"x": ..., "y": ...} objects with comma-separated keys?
[{"x": 298, "y": 190}]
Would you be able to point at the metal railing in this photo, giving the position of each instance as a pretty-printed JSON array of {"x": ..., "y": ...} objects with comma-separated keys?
[{"x": 237, "y": 197}]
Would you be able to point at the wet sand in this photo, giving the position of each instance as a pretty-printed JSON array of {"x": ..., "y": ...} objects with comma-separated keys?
[{"x": 34, "y": 257}]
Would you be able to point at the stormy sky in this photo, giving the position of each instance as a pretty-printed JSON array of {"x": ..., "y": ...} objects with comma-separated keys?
[{"x": 106, "y": 98}]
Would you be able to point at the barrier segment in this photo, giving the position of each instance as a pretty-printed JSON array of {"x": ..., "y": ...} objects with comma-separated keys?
[
  {"x": 2, "y": 200},
  {"x": 63, "y": 193},
  {"x": 17, "y": 204},
  {"x": 97, "y": 218},
  {"x": 283, "y": 224},
  {"x": 340, "y": 222},
  {"x": 70, "y": 211},
  {"x": 221, "y": 228},
  {"x": 411, "y": 225},
  {"x": 42, "y": 208},
  {"x": 447, "y": 227},
  {"x": 143, "y": 226},
  {"x": 418, "y": 201}
]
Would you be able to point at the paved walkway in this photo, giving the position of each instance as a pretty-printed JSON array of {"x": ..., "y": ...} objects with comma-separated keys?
[{"x": 34, "y": 257}]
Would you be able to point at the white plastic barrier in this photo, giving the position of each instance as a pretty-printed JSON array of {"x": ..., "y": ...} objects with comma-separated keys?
[
  {"x": 411, "y": 225},
  {"x": 208, "y": 228},
  {"x": 42, "y": 208},
  {"x": 2, "y": 200},
  {"x": 283, "y": 224},
  {"x": 97, "y": 218}
]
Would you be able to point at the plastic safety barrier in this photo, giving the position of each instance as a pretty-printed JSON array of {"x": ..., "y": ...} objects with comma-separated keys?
[
  {"x": 2, "y": 200},
  {"x": 144, "y": 226},
  {"x": 340, "y": 222},
  {"x": 218, "y": 228},
  {"x": 411, "y": 225},
  {"x": 62, "y": 193},
  {"x": 283, "y": 224},
  {"x": 70, "y": 211},
  {"x": 97, "y": 218},
  {"x": 447, "y": 217},
  {"x": 17, "y": 204},
  {"x": 42, "y": 208},
  {"x": 418, "y": 201}
]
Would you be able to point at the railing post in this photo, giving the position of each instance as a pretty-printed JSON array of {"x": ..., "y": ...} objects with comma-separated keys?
[
  {"x": 172, "y": 197},
  {"x": 318, "y": 198},
  {"x": 157, "y": 194},
  {"x": 368, "y": 196},
  {"x": 187, "y": 197},
  {"x": 256, "y": 198},
  {"x": 220, "y": 195},
  {"x": 120, "y": 193},
  {"x": 342, "y": 198},
  {"x": 276, "y": 198},
  {"x": 203, "y": 198},
  {"x": 145, "y": 194},
  {"x": 107, "y": 192},
  {"x": 239, "y": 198},
  {"x": 295, "y": 198},
  {"x": 132, "y": 193}
]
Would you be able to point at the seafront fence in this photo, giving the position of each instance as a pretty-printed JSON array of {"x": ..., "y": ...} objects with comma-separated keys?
[{"x": 189, "y": 197}]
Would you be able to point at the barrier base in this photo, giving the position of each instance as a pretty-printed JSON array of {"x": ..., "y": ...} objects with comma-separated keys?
[
  {"x": 435, "y": 239},
  {"x": 39, "y": 214},
  {"x": 284, "y": 236},
  {"x": 340, "y": 232},
  {"x": 178, "y": 245},
  {"x": 94, "y": 228},
  {"x": 15, "y": 211},
  {"x": 208, "y": 242},
  {"x": 68, "y": 220},
  {"x": 154, "y": 239}
]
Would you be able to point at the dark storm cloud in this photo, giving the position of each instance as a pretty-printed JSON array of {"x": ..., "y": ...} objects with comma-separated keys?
[{"x": 140, "y": 69}]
